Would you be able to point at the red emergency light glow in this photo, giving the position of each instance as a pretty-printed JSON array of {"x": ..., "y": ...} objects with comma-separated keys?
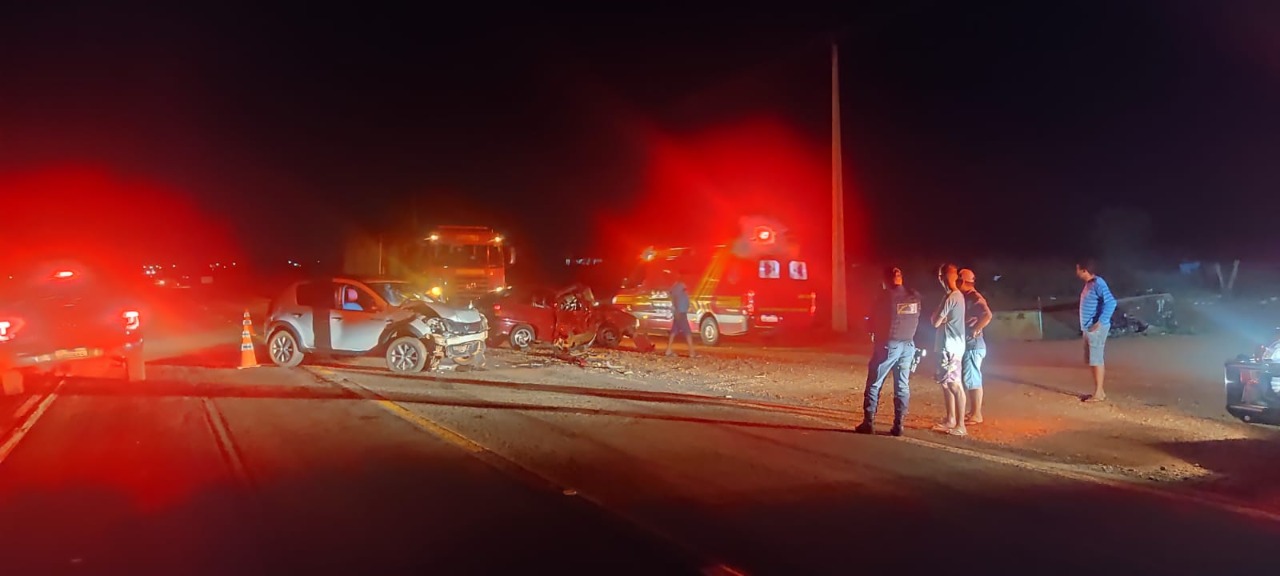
[
  {"x": 761, "y": 166},
  {"x": 103, "y": 217}
]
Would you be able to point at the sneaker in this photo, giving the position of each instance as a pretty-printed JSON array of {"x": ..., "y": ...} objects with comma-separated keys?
[
  {"x": 896, "y": 430},
  {"x": 865, "y": 428}
]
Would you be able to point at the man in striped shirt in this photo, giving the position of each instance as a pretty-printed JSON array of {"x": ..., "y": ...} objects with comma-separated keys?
[{"x": 1096, "y": 307}]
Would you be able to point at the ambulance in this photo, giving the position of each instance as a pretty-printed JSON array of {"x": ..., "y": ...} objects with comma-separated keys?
[{"x": 756, "y": 283}]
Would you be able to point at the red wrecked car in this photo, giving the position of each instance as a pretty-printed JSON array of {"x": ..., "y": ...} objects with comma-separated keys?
[{"x": 569, "y": 318}]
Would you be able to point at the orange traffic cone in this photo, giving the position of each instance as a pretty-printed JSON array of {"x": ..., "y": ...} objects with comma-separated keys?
[{"x": 248, "y": 356}]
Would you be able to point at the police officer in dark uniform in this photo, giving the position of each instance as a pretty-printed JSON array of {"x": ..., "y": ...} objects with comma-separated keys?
[{"x": 892, "y": 324}]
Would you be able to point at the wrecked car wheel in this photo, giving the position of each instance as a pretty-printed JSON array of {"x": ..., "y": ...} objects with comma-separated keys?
[
  {"x": 284, "y": 350},
  {"x": 609, "y": 337},
  {"x": 406, "y": 354},
  {"x": 522, "y": 337}
]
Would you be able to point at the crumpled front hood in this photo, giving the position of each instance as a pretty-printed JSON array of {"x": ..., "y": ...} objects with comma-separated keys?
[{"x": 455, "y": 314}]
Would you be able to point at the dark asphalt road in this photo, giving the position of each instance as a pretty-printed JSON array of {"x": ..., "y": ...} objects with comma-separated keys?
[
  {"x": 271, "y": 471},
  {"x": 132, "y": 479}
]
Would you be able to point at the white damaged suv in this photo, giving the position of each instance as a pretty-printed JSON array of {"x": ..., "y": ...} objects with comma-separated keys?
[{"x": 393, "y": 318}]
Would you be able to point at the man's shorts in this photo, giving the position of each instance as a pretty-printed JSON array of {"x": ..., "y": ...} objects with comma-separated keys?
[
  {"x": 948, "y": 367},
  {"x": 971, "y": 367},
  {"x": 1094, "y": 345},
  {"x": 680, "y": 325}
]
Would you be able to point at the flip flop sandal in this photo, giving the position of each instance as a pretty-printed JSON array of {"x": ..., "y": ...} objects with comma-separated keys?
[
  {"x": 940, "y": 427},
  {"x": 958, "y": 432},
  {"x": 1094, "y": 399}
]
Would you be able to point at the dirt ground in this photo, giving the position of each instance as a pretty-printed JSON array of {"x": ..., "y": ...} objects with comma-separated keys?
[{"x": 1164, "y": 421}]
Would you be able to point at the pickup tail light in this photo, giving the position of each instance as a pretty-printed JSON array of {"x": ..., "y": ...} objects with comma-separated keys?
[
  {"x": 132, "y": 320},
  {"x": 497, "y": 308}
]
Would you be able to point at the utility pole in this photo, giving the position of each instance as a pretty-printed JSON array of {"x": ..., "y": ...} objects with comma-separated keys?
[{"x": 839, "y": 281}]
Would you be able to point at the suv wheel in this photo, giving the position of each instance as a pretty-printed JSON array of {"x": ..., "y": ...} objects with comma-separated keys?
[
  {"x": 406, "y": 355},
  {"x": 284, "y": 349}
]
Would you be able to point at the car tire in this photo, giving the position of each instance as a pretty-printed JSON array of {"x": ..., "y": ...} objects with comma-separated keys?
[
  {"x": 284, "y": 350},
  {"x": 135, "y": 366},
  {"x": 407, "y": 355},
  {"x": 609, "y": 336},
  {"x": 709, "y": 331},
  {"x": 522, "y": 337}
]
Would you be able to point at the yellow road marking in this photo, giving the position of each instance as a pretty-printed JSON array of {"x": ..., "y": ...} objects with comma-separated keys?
[
  {"x": 489, "y": 456},
  {"x": 31, "y": 400},
  {"x": 430, "y": 427}
]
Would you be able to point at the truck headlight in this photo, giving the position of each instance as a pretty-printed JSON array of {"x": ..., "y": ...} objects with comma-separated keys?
[{"x": 436, "y": 291}]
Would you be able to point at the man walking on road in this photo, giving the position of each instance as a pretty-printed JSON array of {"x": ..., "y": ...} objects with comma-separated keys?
[
  {"x": 1097, "y": 305},
  {"x": 680, "y": 316},
  {"x": 893, "y": 321},
  {"x": 978, "y": 315},
  {"x": 949, "y": 320}
]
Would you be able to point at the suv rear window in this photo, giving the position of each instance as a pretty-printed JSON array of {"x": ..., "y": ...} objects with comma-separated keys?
[{"x": 320, "y": 295}]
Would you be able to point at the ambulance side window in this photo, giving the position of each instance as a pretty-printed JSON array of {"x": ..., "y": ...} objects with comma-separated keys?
[
  {"x": 799, "y": 270},
  {"x": 770, "y": 269}
]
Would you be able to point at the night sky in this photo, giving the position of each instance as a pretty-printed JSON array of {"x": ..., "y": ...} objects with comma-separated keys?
[{"x": 969, "y": 128}]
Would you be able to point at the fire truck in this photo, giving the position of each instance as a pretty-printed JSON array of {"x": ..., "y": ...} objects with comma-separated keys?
[
  {"x": 756, "y": 283},
  {"x": 464, "y": 263}
]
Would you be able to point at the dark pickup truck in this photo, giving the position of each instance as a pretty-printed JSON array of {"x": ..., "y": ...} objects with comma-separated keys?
[
  {"x": 1252, "y": 384},
  {"x": 67, "y": 316}
]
